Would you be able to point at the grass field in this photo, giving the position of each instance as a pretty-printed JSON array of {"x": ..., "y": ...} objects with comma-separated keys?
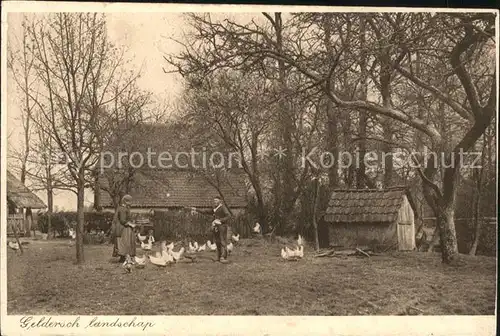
[{"x": 44, "y": 280}]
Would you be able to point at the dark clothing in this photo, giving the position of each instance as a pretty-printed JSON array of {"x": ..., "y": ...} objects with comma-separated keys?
[
  {"x": 124, "y": 234},
  {"x": 123, "y": 216},
  {"x": 220, "y": 238},
  {"x": 220, "y": 231},
  {"x": 221, "y": 213}
]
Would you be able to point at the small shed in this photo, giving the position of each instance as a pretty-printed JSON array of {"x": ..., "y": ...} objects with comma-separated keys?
[
  {"x": 379, "y": 218},
  {"x": 19, "y": 197}
]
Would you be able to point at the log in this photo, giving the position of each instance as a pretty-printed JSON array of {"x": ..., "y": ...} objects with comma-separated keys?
[
  {"x": 417, "y": 309},
  {"x": 362, "y": 252},
  {"x": 324, "y": 254},
  {"x": 390, "y": 247}
]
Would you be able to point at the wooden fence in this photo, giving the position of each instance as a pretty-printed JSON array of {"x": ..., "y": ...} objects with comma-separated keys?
[
  {"x": 174, "y": 225},
  {"x": 16, "y": 220}
]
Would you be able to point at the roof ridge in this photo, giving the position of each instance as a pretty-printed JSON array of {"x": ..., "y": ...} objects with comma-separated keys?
[{"x": 372, "y": 190}]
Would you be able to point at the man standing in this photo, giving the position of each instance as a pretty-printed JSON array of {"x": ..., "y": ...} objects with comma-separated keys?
[{"x": 221, "y": 217}]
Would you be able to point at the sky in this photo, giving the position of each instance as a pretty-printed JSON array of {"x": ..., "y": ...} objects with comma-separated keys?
[{"x": 146, "y": 39}]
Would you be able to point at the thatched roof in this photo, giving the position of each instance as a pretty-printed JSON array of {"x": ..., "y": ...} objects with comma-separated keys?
[
  {"x": 366, "y": 205},
  {"x": 170, "y": 188},
  {"x": 20, "y": 195}
]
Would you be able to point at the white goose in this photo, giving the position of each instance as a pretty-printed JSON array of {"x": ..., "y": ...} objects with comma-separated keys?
[
  {"x": 230, "y": 247},
  {"x": 211, "y": 246},
  {"x": 256, "y": 228}
]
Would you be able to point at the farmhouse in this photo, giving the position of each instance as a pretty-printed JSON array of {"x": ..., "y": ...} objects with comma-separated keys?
[
  {"x": 374, "y": 218},
  {"x": 19, "y": 197},
  {"x": 173, "y": 189},
  {"x": 155, "y": 187}
]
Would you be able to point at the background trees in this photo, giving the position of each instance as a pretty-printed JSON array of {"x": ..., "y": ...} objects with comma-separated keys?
[
  {"x": 76, "y": 91},
  {"x": 394, "y": 83},
  {"x": 364, "y": 82}
]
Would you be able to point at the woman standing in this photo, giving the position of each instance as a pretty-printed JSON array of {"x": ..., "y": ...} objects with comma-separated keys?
[{"x": 124, "y": 232}]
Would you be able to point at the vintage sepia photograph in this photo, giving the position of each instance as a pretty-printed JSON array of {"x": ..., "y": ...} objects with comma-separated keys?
[{"x": 267, "y": 161}]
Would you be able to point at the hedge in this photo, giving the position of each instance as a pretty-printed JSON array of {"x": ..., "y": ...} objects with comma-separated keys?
[
  {"x": 176, "y": 225},
  {"x": 63, "y": 221}
]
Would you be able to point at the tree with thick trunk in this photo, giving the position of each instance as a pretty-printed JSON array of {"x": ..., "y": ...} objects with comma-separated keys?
[{"x": 76, "y": 66}]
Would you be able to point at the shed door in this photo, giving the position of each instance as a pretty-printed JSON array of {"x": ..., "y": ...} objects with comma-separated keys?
[
  {"x": 406, "y": 227},
  {"x": 406, "y": 240}
]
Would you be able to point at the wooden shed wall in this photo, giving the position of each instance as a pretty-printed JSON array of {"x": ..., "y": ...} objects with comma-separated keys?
[
  {"x": 375, "y": 235},
  {"x": 406, "y": 226}
]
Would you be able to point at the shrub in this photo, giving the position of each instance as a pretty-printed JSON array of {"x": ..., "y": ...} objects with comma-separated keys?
[
  {"x": 94, "y": 239},
  {"x": 63, "y": 221},
  {"x": 58, "y": 223}
]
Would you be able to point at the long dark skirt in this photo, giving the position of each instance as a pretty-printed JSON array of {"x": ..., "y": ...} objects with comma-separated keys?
[{"x": 126, "y": 243}]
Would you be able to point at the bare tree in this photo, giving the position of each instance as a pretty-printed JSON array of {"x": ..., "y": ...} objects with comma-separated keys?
[
  {"x": 76, "y": 66},
  {"x": 21, "y": 66},
  {"x": 467, "y": 37}
]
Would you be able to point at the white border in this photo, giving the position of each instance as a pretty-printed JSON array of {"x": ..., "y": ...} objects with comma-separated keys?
[{"x": 234, "y": 325}]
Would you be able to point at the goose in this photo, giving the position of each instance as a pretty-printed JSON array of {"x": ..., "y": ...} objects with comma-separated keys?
[
  {"x": 290, "y": 253},
  {"x": 211, "y": 246},
  {"x": 256, "y": 228},
  {"x": 161, "y": 262},
  {"x": 178, "y": 255},
  {"x": 191, "y": 248},
  {"x": 235, "y": 238},
  {"x": 165, "y": 255},
  {"x": 148, "y": 246},
  {"x": 284, "y": 255},
  {"x": 13, "y": 245},
  {"x": 140, "y": 260},
  {"x": 299, "y": 252},
  {"x": 230, "y": 247},
  {"x": 300, "y": 241}
]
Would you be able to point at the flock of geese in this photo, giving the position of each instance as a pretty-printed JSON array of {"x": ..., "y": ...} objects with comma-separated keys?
[
  {"x": 167, "y": 255},
  {"x": 293, "y": 254}
]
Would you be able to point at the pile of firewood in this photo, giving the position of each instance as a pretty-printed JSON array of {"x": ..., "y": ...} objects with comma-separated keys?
[{"x": 344, "y": 253}]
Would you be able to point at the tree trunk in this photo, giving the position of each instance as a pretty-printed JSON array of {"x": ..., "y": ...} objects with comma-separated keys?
[
  {"x": 28, "y": 220},
  {"x": 385, "y": 84},
  {"x": 435, "y": 239},
  {"x": 97, "y": 192},
  {"x": 447, "y": 233},
  {"x": 261, "y": 208},
  {"x": 363, "y": 116},
  {"x": 333, "y": 172},
  {"x": 80, "y": 219},
  {"x": 478, "y": 177},
  {"x": 287, "y": 128},
  {"x": 50, "y": 209},
  {"x": 315, "y": 210},
  {"x": 331, "y": 113},
  {"x": 477, "y": 234}
]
